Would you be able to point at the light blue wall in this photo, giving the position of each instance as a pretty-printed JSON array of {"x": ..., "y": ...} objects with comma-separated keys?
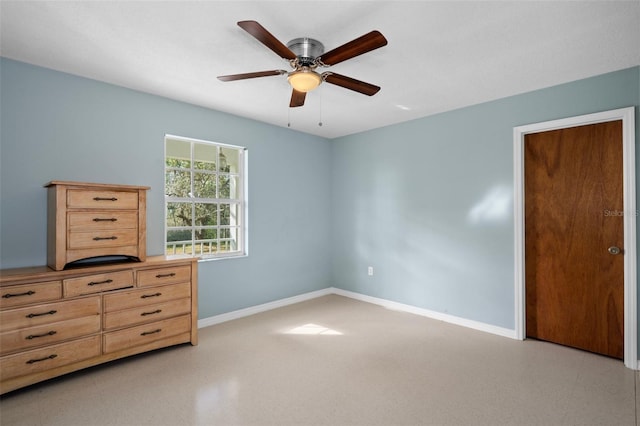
[
  {"x": 56, "y": 126},
  {"x": 406, "y": 199},
  {"x": 429, "y": 203}
]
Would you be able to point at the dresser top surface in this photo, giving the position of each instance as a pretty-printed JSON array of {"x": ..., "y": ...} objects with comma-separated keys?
[
  {"x": 95, "y": 185},
  {"x": 44, "y": 273}
]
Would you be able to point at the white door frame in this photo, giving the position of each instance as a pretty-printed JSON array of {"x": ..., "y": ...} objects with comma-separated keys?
[{"x": 627, "y": 115}]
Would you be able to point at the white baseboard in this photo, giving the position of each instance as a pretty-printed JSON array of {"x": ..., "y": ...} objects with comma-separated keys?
[
  {"x": 480, "y": 326},
  {"x": 240, "y": 313},
  {"x": 487, "y": 328}
]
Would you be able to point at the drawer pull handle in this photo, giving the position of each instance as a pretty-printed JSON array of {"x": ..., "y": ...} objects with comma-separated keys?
[
  {"x": 42, "y": 314},
  {"x": 26, "y": 293},
  {"x": 100, "y": 282},
  {"x": 104, "y": 238},
  {"x": 173, "y": 274},
  {"x": 110, "y": 219},
  {"x": 34, "y": 336},
  {"x": 33, "y": 361},
  {"x": 105, "y": 199},
  {"x": 144, "y": 296},
  {"x": 146, "y": 333},
  {"x": 157, "y": 311}
]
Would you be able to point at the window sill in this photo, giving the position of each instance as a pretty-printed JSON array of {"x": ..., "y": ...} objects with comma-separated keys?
[{"x": 211, "y": 259}]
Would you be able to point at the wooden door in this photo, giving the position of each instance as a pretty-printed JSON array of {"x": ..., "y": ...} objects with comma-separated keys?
[{"x": 573, "y": 224}]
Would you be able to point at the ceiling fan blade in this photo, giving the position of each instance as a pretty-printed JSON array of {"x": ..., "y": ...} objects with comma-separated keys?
[
  {"x": 297, "y": 98},
  {"x": 234, "y": 77},
  {"x": 266, "y": 38},
  {"x": 351, "y": 83},
  {"x": 363, "y": 44}
]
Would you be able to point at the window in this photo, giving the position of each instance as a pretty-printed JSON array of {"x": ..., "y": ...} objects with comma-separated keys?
[{"x": 204, "y": 198}]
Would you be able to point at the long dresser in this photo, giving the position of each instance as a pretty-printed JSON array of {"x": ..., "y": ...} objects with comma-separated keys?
[{"x": 55, "y": 322}]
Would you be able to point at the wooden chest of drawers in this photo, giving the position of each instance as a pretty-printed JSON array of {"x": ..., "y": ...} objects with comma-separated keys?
[
  {"x": 87, "y": 220},
  {"x": 55, "y": 322}
]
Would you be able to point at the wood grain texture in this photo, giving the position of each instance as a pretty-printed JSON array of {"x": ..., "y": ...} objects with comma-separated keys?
[
  {"x": 297, "y": 98},
  {"x": 352, "y": 84},
  {"x": 70, "y": 209},
  {"x": 81, "y": 323},
  {"x": 363, "y": 44},
  {"x": 265, "y": 37},
  {"x": 30, "y": 293},
  {"x": 31, "y": 316},
  {"x": 573, "y": 214},
  {"x": 97, "y": 283}
]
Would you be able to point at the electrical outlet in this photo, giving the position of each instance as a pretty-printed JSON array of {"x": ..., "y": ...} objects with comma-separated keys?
[{"x": 370, "y": 270}]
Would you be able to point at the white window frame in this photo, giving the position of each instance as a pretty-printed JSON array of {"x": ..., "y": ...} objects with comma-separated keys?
[{"x": 240, "y": 201}]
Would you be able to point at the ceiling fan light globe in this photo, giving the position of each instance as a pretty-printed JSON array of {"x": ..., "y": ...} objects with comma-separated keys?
[{"x": 304, "y": 80}]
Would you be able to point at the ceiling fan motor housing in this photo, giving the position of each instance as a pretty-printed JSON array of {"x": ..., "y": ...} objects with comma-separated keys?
[{"x": 306, "y": 49}]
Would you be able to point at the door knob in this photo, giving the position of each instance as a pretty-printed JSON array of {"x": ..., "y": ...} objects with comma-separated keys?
[{"x": 614, "y": 250}]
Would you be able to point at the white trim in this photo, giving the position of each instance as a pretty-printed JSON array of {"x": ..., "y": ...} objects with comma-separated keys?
[
  {"x": 451, "y": 319},
  {"x": 241, "y": 313},
  {"x": 217, "y": 319},
  {"x": 627, "y": 115},
  {"x": 186, "y": 139},
  {"x": 240, "y": 200}
]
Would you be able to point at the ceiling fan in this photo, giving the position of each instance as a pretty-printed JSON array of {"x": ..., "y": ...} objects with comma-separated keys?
[{"x": 305, "y": 55}]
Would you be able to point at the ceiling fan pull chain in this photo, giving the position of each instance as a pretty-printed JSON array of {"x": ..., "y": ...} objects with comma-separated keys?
[{"x": 320, "y": 113}]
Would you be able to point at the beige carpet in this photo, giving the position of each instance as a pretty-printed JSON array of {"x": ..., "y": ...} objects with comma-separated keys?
[{"x": 337, "y": 361}]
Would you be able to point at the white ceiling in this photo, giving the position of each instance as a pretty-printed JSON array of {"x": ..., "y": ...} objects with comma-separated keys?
[{"x": 441, "y": 55}]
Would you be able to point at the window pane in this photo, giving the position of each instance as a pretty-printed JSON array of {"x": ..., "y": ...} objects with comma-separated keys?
[
  {"x": 186, "y": 248},
  {"x": 225, "y": 233},
  {"x": 229, "y": 160},
  {"x": 229, "y": 214},
  {"x": 234, "y": 239},
  {"x": 233, "y": 215},
  {"x": 177, "y": 183},
  {"x": 206, "y": 214},
  {"x": 178, "y": 153},
  {"x": 233, "y": 236},
  {"x": 179, "y": 214},
  {"x": 204, "y": 185},
  {"x": 224, "y": 214},
  {"x": 206, "y": 234},
  {"x": 204, "y": 156},
  {"x": 205, "y": 247},
  {"x": 228, "y": 187},
  {"x": 229, "y": 240},
  {"x": 177, "y": 162},
  {"x": 179, "y": 235},
  {"x": 179, "y": 241}
]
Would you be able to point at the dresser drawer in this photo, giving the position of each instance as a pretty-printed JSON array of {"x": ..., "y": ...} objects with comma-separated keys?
[
  {"x": 48, "y": 313},
  {"x": 143, "y": 334},
  {"x": 24, "y": 338},
  {"x": 102, "y": 238},
  {"x": 145, "y": 297},
  {"x": 102, "y": 220},
  {"x": 158, "y": 276},
  {"x": 96, "y": 283},
  {"x": 30, "y": 293},
  {"x": 144, "y": 314},
  {"x": 101, "y": 199},
  {"x": 38, "y": 360}
]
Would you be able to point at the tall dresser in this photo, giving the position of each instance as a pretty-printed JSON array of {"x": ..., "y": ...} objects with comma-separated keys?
[{"x": 87, "y": 220}]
